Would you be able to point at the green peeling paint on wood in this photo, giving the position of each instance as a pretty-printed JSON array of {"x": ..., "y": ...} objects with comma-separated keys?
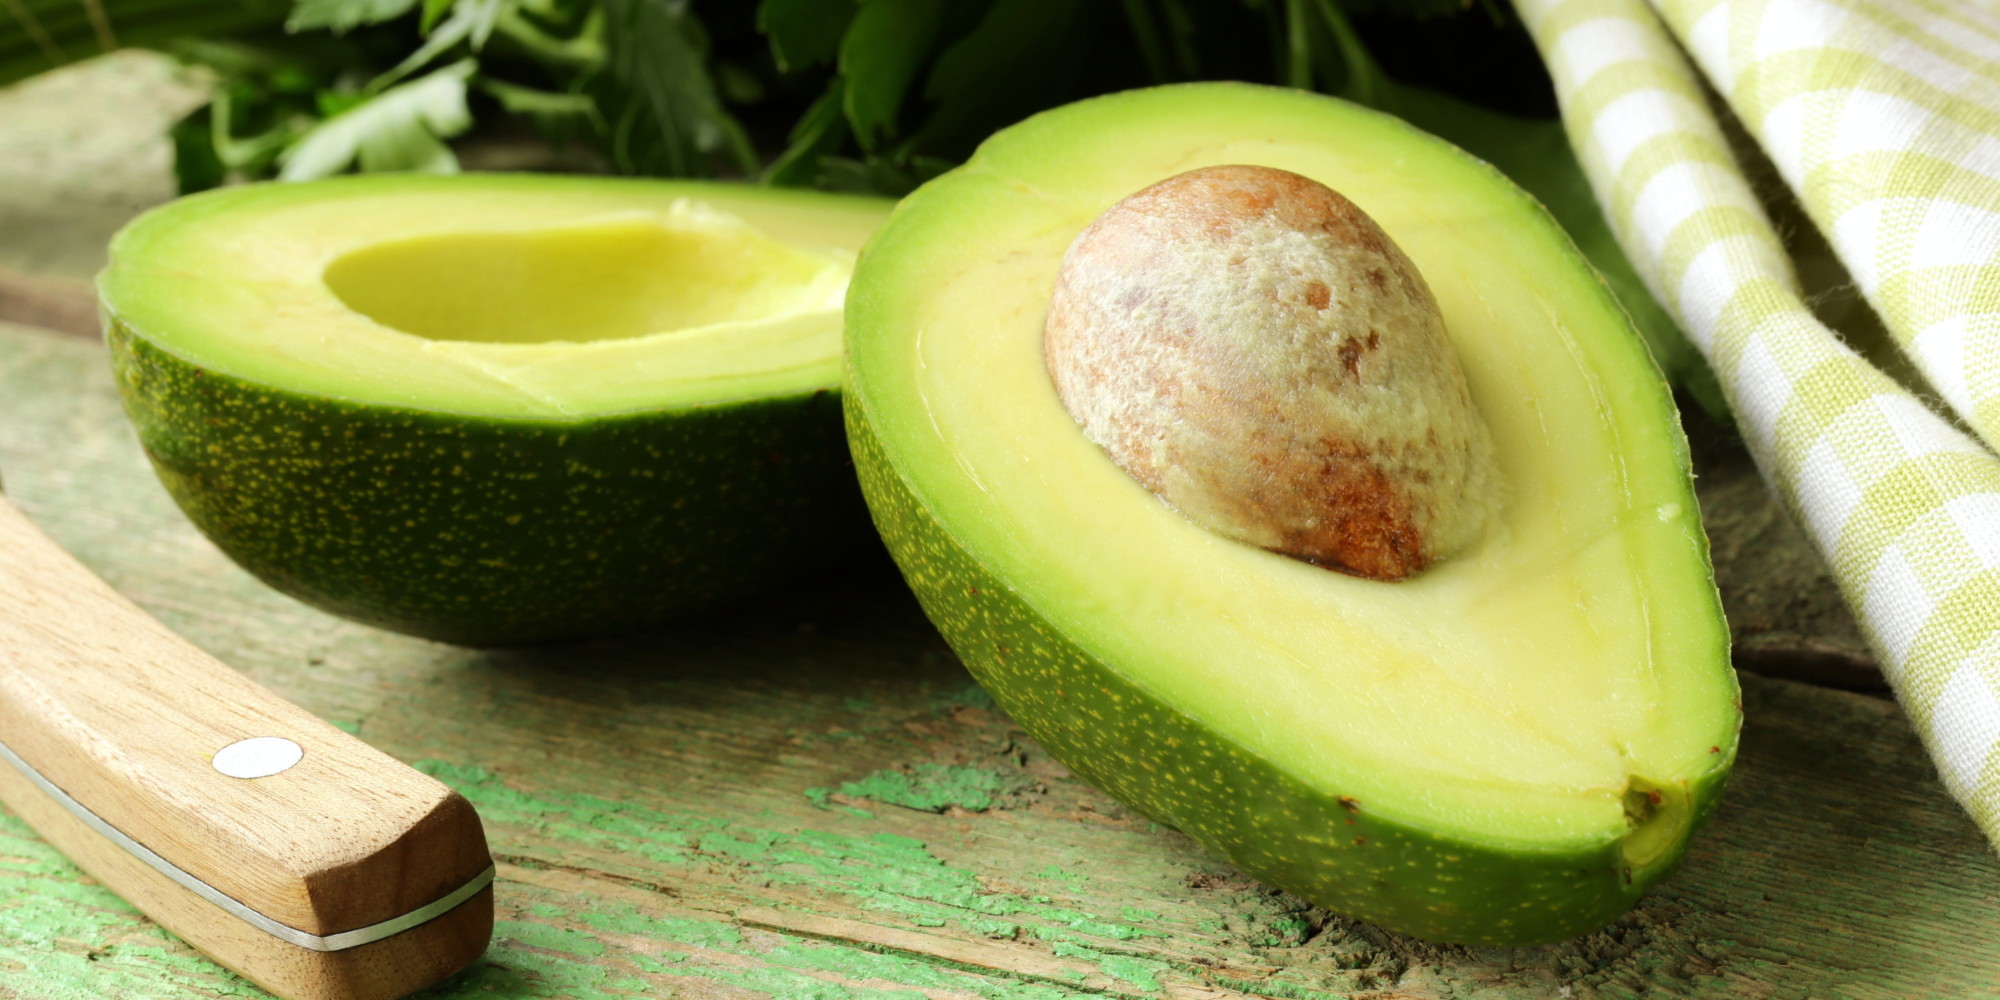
[
  {"x": 76, "y": 940},
  {"x": 883, "y": 871},
  {"x": 929, "y": 787}
]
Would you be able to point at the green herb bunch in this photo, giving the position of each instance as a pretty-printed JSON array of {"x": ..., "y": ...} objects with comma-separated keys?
[
  {"x": 870, "y": 96},
  {"x": 866, "y": 95}
]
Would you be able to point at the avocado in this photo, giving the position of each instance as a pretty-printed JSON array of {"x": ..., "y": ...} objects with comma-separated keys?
[
  {"x": 497, "y": 409},
  {"x": 1505, "y": 748}
]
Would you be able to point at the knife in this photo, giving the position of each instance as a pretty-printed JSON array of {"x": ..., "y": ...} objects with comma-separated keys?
[{"x": 307, "y": 861}]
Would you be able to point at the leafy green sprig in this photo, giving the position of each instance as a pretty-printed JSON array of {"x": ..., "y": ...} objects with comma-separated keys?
[
  {"x": 864, "y": 95},
  {"x": 871, "y": 96}
]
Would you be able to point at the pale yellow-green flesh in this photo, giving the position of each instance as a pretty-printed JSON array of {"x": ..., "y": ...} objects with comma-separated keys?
[
  {"x": 500, "y": 296},
  {"x": 1510, "y": 694}
]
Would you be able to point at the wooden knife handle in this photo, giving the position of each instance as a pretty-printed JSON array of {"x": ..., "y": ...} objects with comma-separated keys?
[{"x": 306, "y": 860}]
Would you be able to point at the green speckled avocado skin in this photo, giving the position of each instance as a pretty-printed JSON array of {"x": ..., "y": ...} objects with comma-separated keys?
[
  {"x": 487, "y": 531},
  {"x": 1324, "y": 847}
]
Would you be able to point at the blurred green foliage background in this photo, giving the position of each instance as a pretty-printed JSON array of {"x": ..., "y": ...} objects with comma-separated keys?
[{"x": 871, "y": 96}]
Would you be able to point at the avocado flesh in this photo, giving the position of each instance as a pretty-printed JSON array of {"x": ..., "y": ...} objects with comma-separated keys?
[
  {"x": 451, "y": 293},
  {"x": 1508, "y": 748},
  {"x": 497, "y": 409}
]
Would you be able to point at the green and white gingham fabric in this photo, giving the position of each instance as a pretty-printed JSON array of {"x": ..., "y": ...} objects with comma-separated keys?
[{"x": 1884, "y": 117}]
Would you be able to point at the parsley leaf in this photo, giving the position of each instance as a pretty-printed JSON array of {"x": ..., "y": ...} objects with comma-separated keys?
[
  {"x": 879, "y": 57},
  {"x": 819, "y": 133},
  {"x": 804, "y": 33},
  {"x": 1021, "y": 57},
  {"x": 401, "y": 128},
  {"x": 668, "y": 116},
  {"x": 339, "y": 16}
]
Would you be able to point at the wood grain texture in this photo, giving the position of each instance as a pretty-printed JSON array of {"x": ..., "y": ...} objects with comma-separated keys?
[{"x": 808, "y": 797}]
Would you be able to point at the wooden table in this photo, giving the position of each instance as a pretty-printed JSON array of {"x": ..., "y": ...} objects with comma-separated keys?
[{"x": 810, "y": 798}]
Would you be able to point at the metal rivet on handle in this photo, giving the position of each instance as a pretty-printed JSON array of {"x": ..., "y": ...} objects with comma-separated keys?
[{"x": 258, "y": 757}]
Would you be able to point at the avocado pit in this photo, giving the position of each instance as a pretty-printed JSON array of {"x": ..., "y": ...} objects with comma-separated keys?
[{"x": 1253, "y": 349}]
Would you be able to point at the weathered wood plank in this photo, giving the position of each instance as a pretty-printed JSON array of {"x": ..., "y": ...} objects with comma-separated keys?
[
  {"x": 81, "y": 153},
  {"x": 712, "y": 811},
  {"x": 725, "y": 810},
  {"x": 82, "y": 150}
]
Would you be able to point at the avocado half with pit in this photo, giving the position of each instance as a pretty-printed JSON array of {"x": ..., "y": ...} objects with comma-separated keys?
[
  {"x": 1506, "y": 748},
  {"x": 503, "y": 408}
]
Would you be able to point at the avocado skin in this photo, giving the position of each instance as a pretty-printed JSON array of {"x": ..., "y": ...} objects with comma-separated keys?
[
  {"x": 1323, "y": 847},
  {"x": 489, "y": 532}
]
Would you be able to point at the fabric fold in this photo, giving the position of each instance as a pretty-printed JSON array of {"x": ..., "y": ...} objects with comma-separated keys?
[{"x": 1904, "y": 506}]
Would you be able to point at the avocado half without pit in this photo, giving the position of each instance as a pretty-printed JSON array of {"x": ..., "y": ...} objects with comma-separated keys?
[
  {"x": 497, "y": 409},
  {"x": 1483, "y": 695}
]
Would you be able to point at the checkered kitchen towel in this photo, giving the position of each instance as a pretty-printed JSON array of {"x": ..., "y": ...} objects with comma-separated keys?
[{"x": 1884, "y": 117}]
